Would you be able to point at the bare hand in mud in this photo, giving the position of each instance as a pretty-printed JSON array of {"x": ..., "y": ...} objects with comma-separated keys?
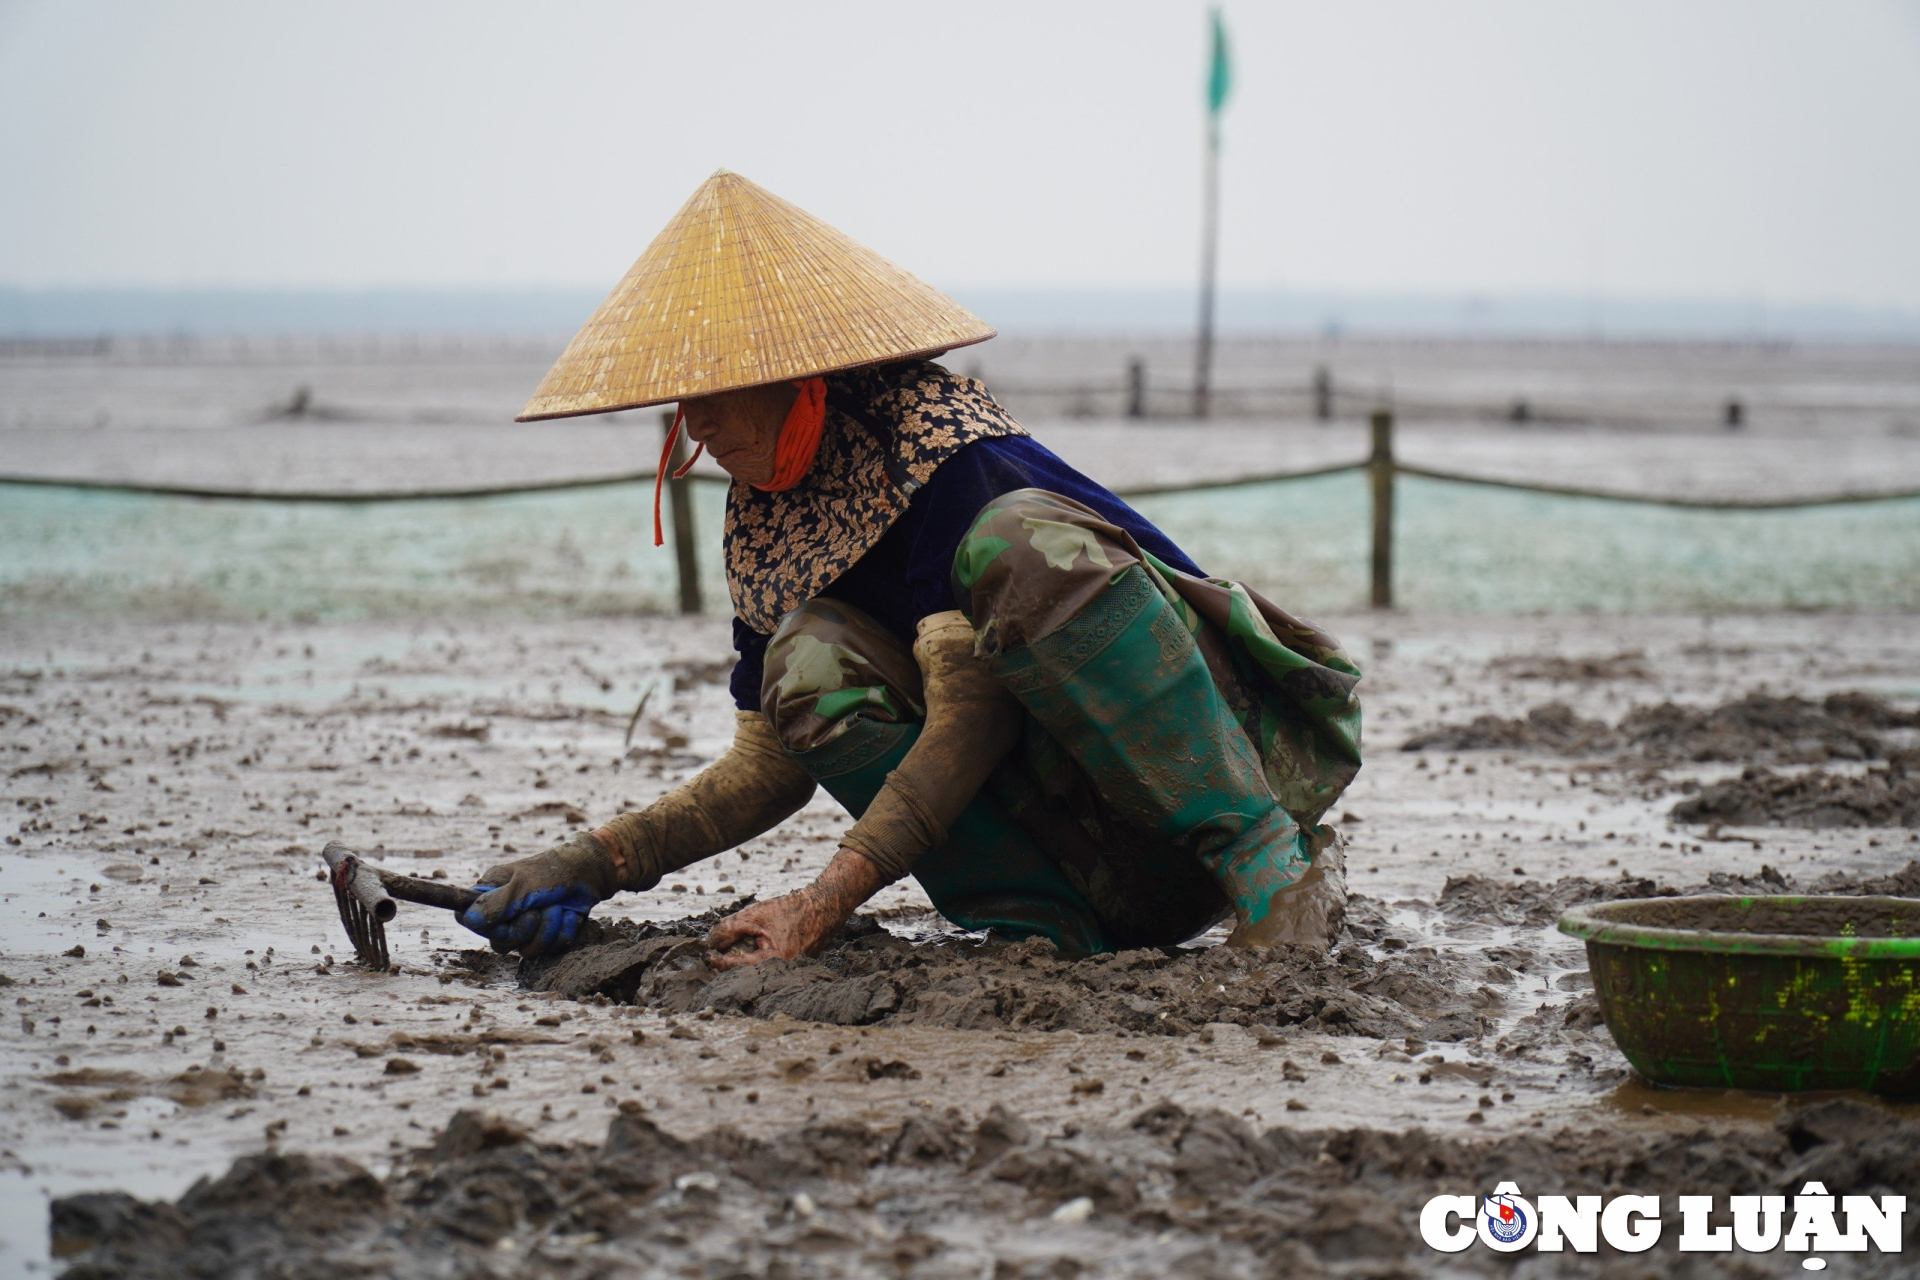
[
  {"x": 798, "y": 924},
  {"x": 784, "y": 928}
]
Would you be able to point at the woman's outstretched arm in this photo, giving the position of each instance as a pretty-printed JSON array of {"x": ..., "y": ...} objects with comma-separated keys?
[{"x": 538, "y": 902}]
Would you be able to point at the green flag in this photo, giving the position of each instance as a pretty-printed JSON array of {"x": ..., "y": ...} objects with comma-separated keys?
[{"x": 1220, "y": 73}]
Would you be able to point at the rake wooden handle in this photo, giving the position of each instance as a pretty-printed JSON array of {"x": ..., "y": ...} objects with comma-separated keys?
[{"x": 428, "y": 893}]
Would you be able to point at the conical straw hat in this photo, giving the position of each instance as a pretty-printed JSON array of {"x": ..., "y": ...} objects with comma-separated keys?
[{"x": 742, "y": 289}]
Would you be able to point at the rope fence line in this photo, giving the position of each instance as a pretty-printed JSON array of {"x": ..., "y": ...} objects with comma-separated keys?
[
  {"x": 1235, "y": 482},
  {"x": 1382, "y": 467},
  {"x": 1519, "y": 408},
  {"x": 1845, "y": 498},
  {"x": 1173, "y": 400},
  {"x": 1528, "y": 486},
  {"x": 1384, "y": 471},
  {"x": 351, "y": 497},
  {"x": 344, "y": 496}
]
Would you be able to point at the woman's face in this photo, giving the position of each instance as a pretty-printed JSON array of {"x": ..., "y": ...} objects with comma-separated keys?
[{"x": 741, "y": 428}]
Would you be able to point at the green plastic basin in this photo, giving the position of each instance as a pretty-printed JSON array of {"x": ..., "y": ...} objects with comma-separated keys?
[{"x": 1782, "y": 994}]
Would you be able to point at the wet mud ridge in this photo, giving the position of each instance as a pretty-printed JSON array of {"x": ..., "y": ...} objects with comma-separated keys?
[
  {"x": 1167, "y": 1192},
  {"x": 1879, "y": 797},
  {"x": 1755, "y": 729},
  {"x": 872, "y": 976},
  {"x": 1560, "y": 669},
  {"x": 1542, "y": 902}
]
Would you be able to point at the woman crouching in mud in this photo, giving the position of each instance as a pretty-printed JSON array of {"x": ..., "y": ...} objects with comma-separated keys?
[{"x": 1033, "y": 701}]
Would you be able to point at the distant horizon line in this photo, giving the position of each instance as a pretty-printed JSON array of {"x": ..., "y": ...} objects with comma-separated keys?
[{"x": 136, "y": 310}]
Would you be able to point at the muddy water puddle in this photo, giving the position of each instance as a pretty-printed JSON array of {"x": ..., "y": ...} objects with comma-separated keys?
[
  {"x": 1637, "y": 1097},
  {"x": 125, "y": 906},
  {"x": 1541, "y": 964}
]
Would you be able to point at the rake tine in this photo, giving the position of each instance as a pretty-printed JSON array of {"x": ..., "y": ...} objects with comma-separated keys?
[
  {"x": 347, "y": 921},
  {"x": 363, "y": 904},
  {"x": 368, "y": 935},
  {"x": 373, "y": 943},
  {"x": 379, "y": 942}
]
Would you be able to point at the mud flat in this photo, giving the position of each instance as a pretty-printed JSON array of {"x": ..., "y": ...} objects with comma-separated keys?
[
  {"x": 1162, "y": 1191},
  {"x": 1166, "y": 1192},
  {"x": 181, "y": 998}
]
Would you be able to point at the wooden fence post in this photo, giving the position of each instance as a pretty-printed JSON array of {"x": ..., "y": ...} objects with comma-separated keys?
[
  {"x": 1136, "y": 387},
  {"x": 1380, "y": 469},
  {"x": 680, "y": 502}
]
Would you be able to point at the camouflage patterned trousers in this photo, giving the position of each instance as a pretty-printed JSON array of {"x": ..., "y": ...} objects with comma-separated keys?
[{"x": 1179, "y": 732}]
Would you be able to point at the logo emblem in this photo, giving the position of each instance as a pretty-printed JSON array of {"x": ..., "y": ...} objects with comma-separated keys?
[{"x": 1506, "y": 1221}]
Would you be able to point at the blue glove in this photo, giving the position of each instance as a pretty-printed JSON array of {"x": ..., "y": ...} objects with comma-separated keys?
[{"x": 537, "y": 904}]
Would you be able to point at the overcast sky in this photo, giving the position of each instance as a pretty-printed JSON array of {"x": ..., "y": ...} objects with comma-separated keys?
[{"x": 1725, "y": 149}]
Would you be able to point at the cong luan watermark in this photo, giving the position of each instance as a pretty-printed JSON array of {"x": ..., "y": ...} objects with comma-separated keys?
[{"x": 1811, "y": 1222}]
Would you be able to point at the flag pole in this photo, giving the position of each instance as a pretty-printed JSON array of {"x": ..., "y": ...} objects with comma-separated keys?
[
  {"x": 1219, "y": 80},
  {"x": 1209, "y": 253}
]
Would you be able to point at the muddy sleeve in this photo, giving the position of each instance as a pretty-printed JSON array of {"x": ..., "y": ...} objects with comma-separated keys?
[
  {"x": 745, "y": 792},
  {"x": 972, "y": 722}
]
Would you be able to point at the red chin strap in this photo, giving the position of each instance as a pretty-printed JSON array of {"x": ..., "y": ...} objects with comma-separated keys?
[
  {"x": 799, "y": 440},
  {"x": 794, "y": 450},
  {"x": 660, "y": 472}
]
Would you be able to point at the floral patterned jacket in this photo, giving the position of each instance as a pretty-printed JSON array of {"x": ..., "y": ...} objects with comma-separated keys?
[{"x": 888, "y": 429}]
